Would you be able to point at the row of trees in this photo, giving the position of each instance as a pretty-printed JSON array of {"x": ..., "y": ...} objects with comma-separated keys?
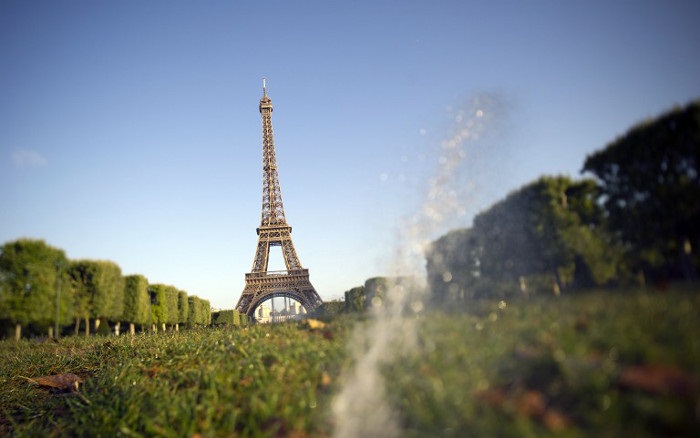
[
  {"x": 635, "y": 220},
  {"x": 41, "y": 287},
  {"x": 371, "y": 294},
  {"x": 230, "y": 318}
]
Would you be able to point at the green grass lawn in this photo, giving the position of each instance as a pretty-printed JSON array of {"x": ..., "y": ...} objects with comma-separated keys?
[{"x": 597, "y": 364}]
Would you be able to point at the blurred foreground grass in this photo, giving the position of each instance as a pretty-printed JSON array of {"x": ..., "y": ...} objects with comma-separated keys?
[{"x": 597, "y": 364}]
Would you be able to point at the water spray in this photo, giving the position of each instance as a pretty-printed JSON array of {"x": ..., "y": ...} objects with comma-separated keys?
[{"x": 361, "y": 407}]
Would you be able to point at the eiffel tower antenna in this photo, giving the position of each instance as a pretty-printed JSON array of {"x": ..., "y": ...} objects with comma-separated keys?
[{"x": 261, "y": 284}]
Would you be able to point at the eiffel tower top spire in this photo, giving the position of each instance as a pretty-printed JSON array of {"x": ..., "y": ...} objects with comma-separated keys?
[{"x": 272, "y": 207}]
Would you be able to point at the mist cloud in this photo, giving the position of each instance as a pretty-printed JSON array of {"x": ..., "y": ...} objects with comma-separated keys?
[{"x": 28, "y": 158}]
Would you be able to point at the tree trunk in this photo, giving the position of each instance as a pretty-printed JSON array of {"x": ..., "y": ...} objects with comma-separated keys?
[
  {"x": 556, "y": 283},
  {"x": 77, "y": 325},
  {"x": 163, "y": 327},
  {"x": 523, "y": 287},
  {"x": 154, "y": 328},
  {"x": 97, "y": 324},
  {"x": 556, "y": 289},
  {"x": 18, "y": 332},
  {"x": 686, "y": 256},
  {"x": 132, "y": 329},
  {"x": 177, "y": 327},
  {"x": 642, "y": 279},
  {"x": 50, "y": 332},
  {"x": 117, "y": 326},
  {"x": 87, "y": 327}
]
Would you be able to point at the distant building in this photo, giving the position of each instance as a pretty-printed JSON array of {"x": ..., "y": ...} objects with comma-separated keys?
[
  {"x": 295, "y": 310},
  {"x": 263, "y": 313}
]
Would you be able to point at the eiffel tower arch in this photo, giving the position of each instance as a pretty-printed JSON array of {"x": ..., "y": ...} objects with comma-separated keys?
[{"x": 261, "y": 284}]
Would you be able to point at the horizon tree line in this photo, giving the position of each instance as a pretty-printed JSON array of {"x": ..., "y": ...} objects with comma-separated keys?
[
  {"x": 42, "y": 288},
  {"x": 634, "y": 221}
]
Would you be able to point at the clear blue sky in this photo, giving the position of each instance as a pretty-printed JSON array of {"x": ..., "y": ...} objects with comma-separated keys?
[{"x": 129, "y": 130}]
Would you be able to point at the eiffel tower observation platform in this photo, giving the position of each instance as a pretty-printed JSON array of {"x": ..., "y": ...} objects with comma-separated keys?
[{"x": 294, "y": 284}]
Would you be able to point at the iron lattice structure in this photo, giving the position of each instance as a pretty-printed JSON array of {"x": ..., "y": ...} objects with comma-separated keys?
[{"x": 261, "y": 284}]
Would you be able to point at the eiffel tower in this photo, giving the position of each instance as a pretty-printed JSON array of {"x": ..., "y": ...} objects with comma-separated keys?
[{"x": 261, "y": 284}]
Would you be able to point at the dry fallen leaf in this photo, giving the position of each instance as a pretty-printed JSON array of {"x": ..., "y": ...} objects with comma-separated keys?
[
  {"x": 315, "y": 324},
  {"x": 492, "y": 397},
  {"x": 556, "y": 421},
  {"x": 325, "y": 379},
  {"x": 63, "y": 382},
  {"x": 659, "y": 380},
  {"x": 531, "y": 404},
  {"x": 155, "y": 371}
]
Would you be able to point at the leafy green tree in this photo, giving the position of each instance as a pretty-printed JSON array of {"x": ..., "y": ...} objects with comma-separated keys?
[
  {"x": 137, "y": 302},
  {"x": 547, "y": 229},
  {"x": 548, "y": 235},
  {"x": 355, "y": 300},
  {"x": 550, "y": 231},
  {"x": 199, "y": 311},
  {"x": 80, "y": 273},
  {"x": 206, "y": 312},
  {"x": 376, "y": 289},
  {"x": 243, "y": 319},
  {"x": 193, "y": 308},
  {"x": 650, "y": 186},
  {"x": 328, "y": 310},
  {"x": 597, "y": 255},
  {"x": 159, "y": 305},
  {"x": 519, "y": 239},
  {"x": 196, "y": 315},
  {"x": 99, "y": 291},
  {"x": 452, "y": 265},
  {"x": 225, "y": 317},
  {"x": 171, "y": 299},
  {"x": 183, "y": 307},
  {"x": 31, "y": 273}
]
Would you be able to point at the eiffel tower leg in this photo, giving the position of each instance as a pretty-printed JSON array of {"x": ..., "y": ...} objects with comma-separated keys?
[
  {"x": 262, "y": 255},
  {"x": 291, "y": 259}
]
